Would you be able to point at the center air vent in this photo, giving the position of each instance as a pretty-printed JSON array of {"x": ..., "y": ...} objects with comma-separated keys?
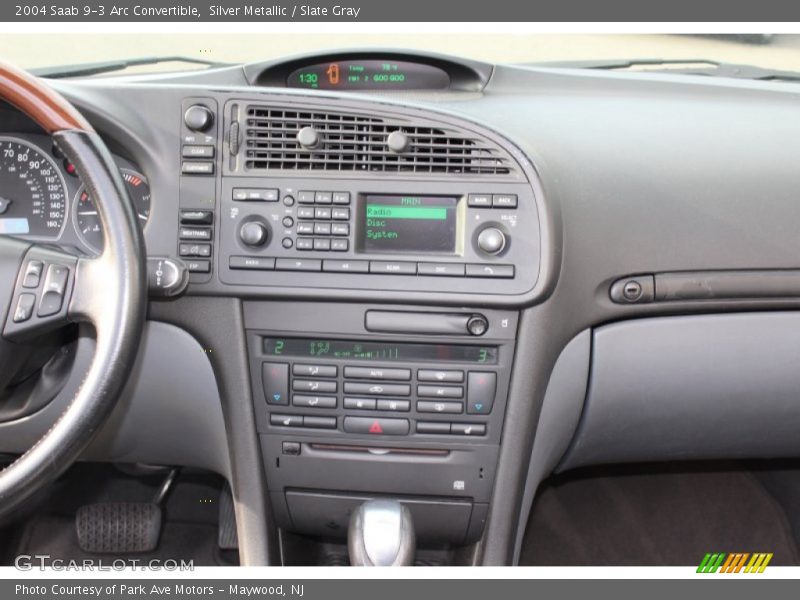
[{"x": 279, "y": 139}]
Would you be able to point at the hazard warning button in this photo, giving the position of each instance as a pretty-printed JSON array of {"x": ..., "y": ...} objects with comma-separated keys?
[{"x": 373, "y": 426}]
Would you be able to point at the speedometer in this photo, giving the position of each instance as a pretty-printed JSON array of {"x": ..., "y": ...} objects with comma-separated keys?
[{"x": 33, "y": 199}]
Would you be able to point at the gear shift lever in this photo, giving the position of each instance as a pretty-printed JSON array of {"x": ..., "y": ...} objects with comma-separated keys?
[{"x": 381, "y": 534}]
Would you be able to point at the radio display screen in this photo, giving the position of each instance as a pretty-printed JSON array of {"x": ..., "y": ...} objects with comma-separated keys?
[
  {"x": 409, "y": 224},
  {"x": 378, "y": 351}
]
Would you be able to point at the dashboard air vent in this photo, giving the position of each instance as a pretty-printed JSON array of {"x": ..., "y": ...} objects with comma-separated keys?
[{"x": 277, "y": 138}]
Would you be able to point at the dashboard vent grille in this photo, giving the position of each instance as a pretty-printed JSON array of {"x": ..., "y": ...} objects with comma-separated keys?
[{"x": 359, "y": 142}]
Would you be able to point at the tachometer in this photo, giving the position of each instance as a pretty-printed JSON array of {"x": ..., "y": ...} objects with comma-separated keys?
[
  {"x": 87, "y": 220},
  {"x": 33, "y": 198}
]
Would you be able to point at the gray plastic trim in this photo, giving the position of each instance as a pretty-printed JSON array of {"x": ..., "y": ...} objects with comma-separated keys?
[
  {"x": 699, "y": 387},
  {"x": 170, "y": 399},
  {"x": 558, "y": 420}
]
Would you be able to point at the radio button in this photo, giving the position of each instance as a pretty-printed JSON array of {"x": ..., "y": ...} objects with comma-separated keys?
[
  {"x": 360, "y": 403},
  {"x": 319, "y": 422},
  {"x": 340, "y": 229},
  {"x": 322, "y": 212},
  {"x": 287, "y": 242},
  {"x": 441, "y": 376},
  {"x": 275, "y": 379},
  {"x": 263, "y": 195},
  {"x": 298, "y": 264},
  {"x": 315, "y": 370},
  {"x": 305, "y": 197},
  {"x": 341, "y": 197},
  {"x": 433, "y": 427},
  {"x": 504, "y": 201},
  {"x": 479, "y": 200},
  {"x": 286, "y": 420},
  {"x": 340, "y": 214},
  {"x": 323, "y": 197},
  {"x": 377, "y": 373},
  {"x": 466, "y": 428},
  {"x": 256, "y": 263},
  {"x": 322, "y": 228},
  {"x": 345, "y": 266},
  {"x": 376, "y": 389},
  {"x": 305, "y": 385},
  {"x": 393, "y": 268},
  {"x": 305, "y": 212},
  {"x": 394, "y": 405},
  {"x": 431, "y": 406},
  {"x": 491, "y": 271},
  {"x": 305, "y": 229},
  {"x": 322, "y": 244},
  {"x": 376, "y": 426},
  {"x": 440, "y": 391},
  {"x": 340, "y": 245},
  {"x": 441, "y": 269},
  {"x": 313, "y": 401},
  {"x": 305, "y": 244},
  {"x": 288, "y": 221}
]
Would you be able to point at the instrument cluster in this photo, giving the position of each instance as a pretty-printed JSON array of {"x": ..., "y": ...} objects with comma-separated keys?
[{"x": 43, "y": 199}]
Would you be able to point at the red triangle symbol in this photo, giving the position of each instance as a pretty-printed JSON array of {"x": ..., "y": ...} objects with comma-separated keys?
[{"x": 375, "y": 427}]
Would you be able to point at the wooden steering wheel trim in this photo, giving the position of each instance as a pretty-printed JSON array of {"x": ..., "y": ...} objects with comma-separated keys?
[{"x": 47, "y": 108}]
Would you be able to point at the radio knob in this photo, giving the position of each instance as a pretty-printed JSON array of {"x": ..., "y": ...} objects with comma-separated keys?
[
  {"x": 491, "y": 240},
  {"x": 198, "y": 118},
  {"x": 254, "y": 233}
]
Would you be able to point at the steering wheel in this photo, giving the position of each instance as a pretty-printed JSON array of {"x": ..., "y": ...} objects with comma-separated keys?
[{"x": 44, "y": 288}]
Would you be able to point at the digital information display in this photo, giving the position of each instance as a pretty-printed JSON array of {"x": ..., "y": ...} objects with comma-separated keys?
[
  {"x": 376, "y": 351},
  {"x": 369, "y": 75},
  {"x": 14, "y": 226},
  {"x": 409, "y": 224}
]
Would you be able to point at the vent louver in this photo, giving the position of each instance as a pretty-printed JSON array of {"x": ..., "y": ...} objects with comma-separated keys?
[{"x": 350, "y": 142}]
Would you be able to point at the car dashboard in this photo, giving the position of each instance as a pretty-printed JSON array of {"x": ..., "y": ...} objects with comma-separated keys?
[{"x": 426, "y": 278}]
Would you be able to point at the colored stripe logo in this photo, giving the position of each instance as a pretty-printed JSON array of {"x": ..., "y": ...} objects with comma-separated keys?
[{"x": 736, "y": 562}]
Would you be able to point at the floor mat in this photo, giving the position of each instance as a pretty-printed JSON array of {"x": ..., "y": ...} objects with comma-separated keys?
[
  {"x": 55, "y": 536},
  {"x": 629, "y": 517}
]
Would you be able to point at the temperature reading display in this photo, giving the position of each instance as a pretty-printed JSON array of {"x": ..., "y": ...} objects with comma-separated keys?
[
  {"x": 369, "y": 75},
  {"x": 368, "y": 351},
  {"x": 416, "y": 224}
]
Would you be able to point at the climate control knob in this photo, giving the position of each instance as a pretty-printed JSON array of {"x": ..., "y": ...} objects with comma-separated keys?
[
  {"x": 254, "y": 233},
  {"x": 491, "y": 240}
]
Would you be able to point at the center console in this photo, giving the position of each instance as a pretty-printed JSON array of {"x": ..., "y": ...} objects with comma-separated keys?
[
  {"x": 326, "y": 218},
  {"x": 347, "y": 413}
]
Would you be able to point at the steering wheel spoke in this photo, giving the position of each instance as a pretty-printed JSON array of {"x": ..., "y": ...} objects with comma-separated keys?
[{"x": 42, "y": 290}]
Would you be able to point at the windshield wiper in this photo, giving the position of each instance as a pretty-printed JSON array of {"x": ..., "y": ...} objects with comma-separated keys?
[
  {"x": 685, "y": 66},
  {"x": 88, "y": 69}
]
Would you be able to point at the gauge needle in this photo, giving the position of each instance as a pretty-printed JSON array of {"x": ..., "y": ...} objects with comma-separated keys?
[{"x": 4, "y": 204}]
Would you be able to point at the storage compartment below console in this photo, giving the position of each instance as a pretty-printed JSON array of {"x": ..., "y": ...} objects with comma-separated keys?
[
  {"x": 315, "y": 487},
  {"x": 437, "y": 521}
]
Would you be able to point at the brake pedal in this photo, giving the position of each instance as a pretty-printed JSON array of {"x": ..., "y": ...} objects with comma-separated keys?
[{"x": 118, "y": 527}]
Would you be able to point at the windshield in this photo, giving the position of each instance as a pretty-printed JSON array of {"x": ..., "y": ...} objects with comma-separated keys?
[{"x": 764, "y": 50}]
